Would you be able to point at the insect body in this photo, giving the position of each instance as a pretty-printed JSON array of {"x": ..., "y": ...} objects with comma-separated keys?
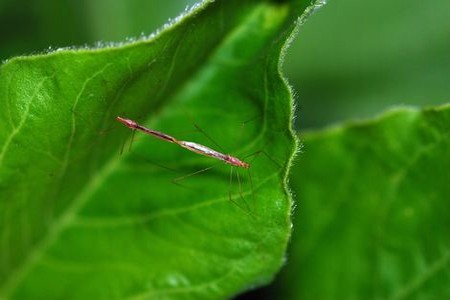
[{"x": 194, "y": 147}]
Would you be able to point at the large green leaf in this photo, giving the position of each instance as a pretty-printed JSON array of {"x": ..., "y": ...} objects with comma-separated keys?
[
  {"x": 78, "y": 220},
  {"x": 372, "y": 218}
]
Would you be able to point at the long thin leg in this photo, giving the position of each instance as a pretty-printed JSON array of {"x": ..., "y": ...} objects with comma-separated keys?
[
  {"x": 257, "y": 153},
  {"x": 240, "y": 190},
  {"x": 247, "y": 211},
  {"x": 181, "y": 178},
  {"x": 132, "y": 139},
  {"x": 238, "y": 139},
  {"x": 156, "y": 164},
  {"x": 208, "y": 137},
  {"x": 251, "y": 186},
  {"x": 199, "y": 129},
  {"x": 230, "y": 192},
  {"x": 123, "y": 146}
]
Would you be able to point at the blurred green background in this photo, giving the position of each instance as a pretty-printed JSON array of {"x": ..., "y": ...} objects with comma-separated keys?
[{"x": 352, "y": 59}]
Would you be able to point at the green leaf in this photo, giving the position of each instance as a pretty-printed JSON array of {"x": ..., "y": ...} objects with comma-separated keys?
[
  {"x": 372, "y": 217},
  {"x": 78, "y": 220}
]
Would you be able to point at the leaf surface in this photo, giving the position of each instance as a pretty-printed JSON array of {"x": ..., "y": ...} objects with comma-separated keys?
[
  {"x": 372, "y": 217},
  {"x": 78, "y": 220}
]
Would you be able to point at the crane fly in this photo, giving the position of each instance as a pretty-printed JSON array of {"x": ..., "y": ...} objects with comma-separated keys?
[{"x": 191, "y": 146}]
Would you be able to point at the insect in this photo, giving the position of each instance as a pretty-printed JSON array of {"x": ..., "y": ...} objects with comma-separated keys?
[
  {"x": 205, "y": 151},
  {"x": 191, "y": 146}
]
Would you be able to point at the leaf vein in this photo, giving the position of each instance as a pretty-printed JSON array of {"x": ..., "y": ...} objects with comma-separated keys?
[{"x": 22, "y": 122}]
